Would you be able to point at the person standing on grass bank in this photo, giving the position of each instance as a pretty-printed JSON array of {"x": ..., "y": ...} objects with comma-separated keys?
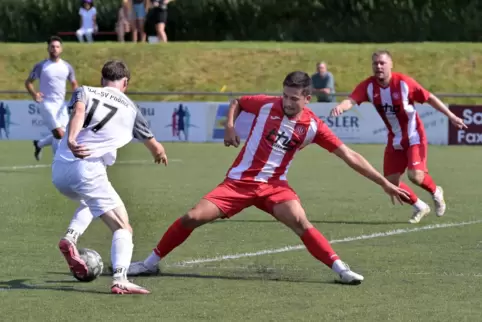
[
  {"x": 138, "y": 16},
  {"x": 52, "y": 74},
  {"x": 156, "y": 19}
]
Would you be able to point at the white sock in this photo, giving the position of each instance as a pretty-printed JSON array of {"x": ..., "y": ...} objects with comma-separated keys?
[
  {"x": 45, "y": 141},
  {"x": 79, "y": 223},
  {"x": 419, "y": 205},
  {"x": 338, "y": 266},
  {"x": 121, "y": 253},
  {"x": 152, "y": 260}
]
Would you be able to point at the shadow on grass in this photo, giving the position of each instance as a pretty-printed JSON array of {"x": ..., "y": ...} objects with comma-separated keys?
[
  {"x": 22, "y": 284},
  {"x": 257, "y": 274},
  {"x": 314, "y": 222}
]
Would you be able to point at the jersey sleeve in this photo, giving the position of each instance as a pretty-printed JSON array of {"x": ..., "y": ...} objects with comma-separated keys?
[
  {"x": 141, "y": 129},
  {"x": 79, "y": 95},
  {"x": 359, "y": 94},
  {"x": 36, "y": 71},
  {"x": 71, "y": 75},
  {"x": 325, "y": 137},
  {"x": 416, "y": 92},
  {"x": 253, "y": 104}
]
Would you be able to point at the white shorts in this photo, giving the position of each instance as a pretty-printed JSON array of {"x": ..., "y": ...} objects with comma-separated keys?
[
  {"x": 54, "y": 114},
  {"x": 86, "y": 181}
]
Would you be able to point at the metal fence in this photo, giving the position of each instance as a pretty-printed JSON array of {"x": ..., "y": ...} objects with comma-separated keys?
[{"x": 237, "y": 94}]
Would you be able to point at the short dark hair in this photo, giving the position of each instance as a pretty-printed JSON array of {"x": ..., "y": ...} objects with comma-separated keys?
[
  {"x": 115, "y": 70},
  {"x": 300, "y": 80},
  {"x": 381, "y": 52},
  {"x": 54, "y": 38}
]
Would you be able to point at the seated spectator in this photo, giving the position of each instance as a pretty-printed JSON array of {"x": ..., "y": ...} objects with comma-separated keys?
[
  {"x": 88, "y": 24},
  {"x": 323, "y": 84}
]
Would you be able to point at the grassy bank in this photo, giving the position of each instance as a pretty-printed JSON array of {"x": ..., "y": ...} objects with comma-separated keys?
[{"x": 250, "y": 67}]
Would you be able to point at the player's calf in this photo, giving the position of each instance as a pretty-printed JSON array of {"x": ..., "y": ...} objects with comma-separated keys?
[
  {"x": 121, "y": 251},
  {"x": 175, "y": 235},
  {"x": 416, "y": 176},
  {"x": 292, "y": 214},
  {"x": 205, "y": 211}
]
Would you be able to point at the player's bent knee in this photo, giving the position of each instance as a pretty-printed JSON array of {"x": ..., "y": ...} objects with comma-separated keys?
[
  {"x": 204, "y": 212},
  {"x": 117, "y": 219},
  {"x": 292, "y": 214},
  {"x": 394, "y": 178},
  {"x": 58, "y": 133},
  {"x": 416, "y": 176}
]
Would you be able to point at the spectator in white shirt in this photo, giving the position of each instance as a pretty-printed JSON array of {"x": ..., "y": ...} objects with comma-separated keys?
[{"x": 88, "y": 24}]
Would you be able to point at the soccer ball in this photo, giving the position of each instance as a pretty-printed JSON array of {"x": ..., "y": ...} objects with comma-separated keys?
[{"x": 94, "y": 264}]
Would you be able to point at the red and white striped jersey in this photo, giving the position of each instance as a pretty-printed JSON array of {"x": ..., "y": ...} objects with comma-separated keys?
[
  {"x": 395, "y": 104},
  {"x": 274, "y": 139}
]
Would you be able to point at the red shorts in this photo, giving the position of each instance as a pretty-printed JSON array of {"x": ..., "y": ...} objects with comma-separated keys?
[
  {"x": 232, "y": 196},
  {"x": 397, "y": 161}
]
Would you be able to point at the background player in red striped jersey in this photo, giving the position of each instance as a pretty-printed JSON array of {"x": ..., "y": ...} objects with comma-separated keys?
[
  {"x": 394, "y": 96},
  {"x": 282, "y": 126}
]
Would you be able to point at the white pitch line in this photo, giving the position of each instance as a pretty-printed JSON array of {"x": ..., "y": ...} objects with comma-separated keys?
[
  {"x": 40, "y": 166},
  {"x": 335, "y": 241}
]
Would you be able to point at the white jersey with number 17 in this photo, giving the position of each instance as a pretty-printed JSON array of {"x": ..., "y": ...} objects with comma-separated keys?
[{"x": 111, "y": 121}]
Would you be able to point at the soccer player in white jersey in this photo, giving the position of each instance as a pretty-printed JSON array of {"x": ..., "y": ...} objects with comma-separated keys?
[
  {"x": 52, "y": 74},
  {"x": 102, "y": 121}
]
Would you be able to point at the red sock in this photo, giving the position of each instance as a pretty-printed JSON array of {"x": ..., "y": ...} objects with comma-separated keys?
[
  {"x": 413, "y": 196},
  {"x": 428, "y": 184},
  {"x": 173, "y": 237},
  {"x": 319, "y": 246}
]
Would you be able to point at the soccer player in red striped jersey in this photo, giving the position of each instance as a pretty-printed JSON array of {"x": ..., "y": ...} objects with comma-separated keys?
[
  {"x": 282, "y": 127},
  {"x": 394, "y": 96}
]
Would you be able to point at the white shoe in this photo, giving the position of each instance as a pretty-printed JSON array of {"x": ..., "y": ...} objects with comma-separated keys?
[
  {"x": 418, "y": 215},
  {"x": 127, "y": 287},
  {"x": 439, "y": 201},
  {"x": 139, "y": 269},
  {"x": 349, "y": 277}
]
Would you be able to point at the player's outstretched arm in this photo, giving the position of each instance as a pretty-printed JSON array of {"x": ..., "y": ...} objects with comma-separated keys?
[
  {"x": 230, "y": 135},
  {"x": 341, "y": 108},
  {"x": 437, "y": 104},
  {"x": 358, "y": 163},
  {"x": 157, "y": 150},
  {"x": 142, "y": 132}
]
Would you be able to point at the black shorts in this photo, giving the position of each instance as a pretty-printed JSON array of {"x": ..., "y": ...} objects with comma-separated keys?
[{"x": 158, "y": 15}]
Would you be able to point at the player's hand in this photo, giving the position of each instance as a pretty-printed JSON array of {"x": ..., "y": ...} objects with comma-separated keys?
[
  {"x": 458, "y": 122},
  {"x": 161, "y": 158},
  {"x": 396, "y": 193},
  {"x": 78, "y": 150},
  {"x": 38, "y": 97},
  {"x": 336, "y": 111},
  {"x": 230, "y": 137}
]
